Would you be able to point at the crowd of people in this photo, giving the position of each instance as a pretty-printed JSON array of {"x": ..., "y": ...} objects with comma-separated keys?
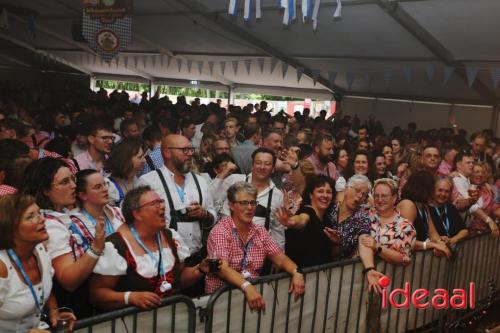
[{"x": 105, "y": 203}]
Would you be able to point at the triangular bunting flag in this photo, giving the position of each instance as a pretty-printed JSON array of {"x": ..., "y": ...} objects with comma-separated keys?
[
  {"x": 102, "y": 62},
  {"x": 338, "y": 10},
  {"x": 189, "y": 65},
  {"x": 258, "y": 9},
  {"x": 136, "y": 60},
  {"x": 261, "y": 61},
  {"x": 248, "y": 65},
  {"x": 306, "y": 9},
  {"x": 179, "y": 64},
  {"x": 284, "y": 68},
  {"x": 235, "y": 67},
  {"x": 495, "y": 76},
  {"x": 315, "y": 74},
  {"x": 117, "y": 62},
  {"x": 407, "y": 71},
  {"x": 332, "y": 75},
  {"x": 144, "y": 61},
  {"x": 162, "y": 60},
  {"x": 95, "y": 60},
  {"x": 349, "y": 77},
  {"x": 125, "y": 61},
  {"x": 200, "y": 66},
  {"x": 233, "y": 9},
  {"x": 300, "y": 71},
  {"x": 222, "y": 67},
  {"x": 153, "y": 61},
  {"x": 471, "y": 75},
  {"x": 211, "y": 67},
  {"x": 169, "y": 59},
  {"x": 447, "y": 71},
  {"x": 315, "y": 13},
  {"x": 430, "y": 69},
  {"x": 274, "y": 62}
]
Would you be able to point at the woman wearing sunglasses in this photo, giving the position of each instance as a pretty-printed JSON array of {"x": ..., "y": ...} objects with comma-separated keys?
[{"x": 144, "y": 260}]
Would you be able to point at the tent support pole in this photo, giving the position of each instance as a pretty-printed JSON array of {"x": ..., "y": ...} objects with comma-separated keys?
[
  {"x": 494, "y": 119},
  {"x": 230, "y": 95}
]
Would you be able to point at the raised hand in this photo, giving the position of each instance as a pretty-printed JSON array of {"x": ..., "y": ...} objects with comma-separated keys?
[
  {"x": 144, "y": 299},
  {"x": 100, "y": 235}
]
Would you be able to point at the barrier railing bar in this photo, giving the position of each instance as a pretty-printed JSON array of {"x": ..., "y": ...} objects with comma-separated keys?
[
  {"x": 328, "y": 286},
  {"x": 497, "y": 269},
  {"x": 244, "y": 315},
  {"x": 315, "y": 301},
  {"x": 403, "y": 273},
  {"x": 259, "y": 314},
  {"x": 275, "y": 301},
  {"x": 155, "y": 320},
  {"x": 338, "y": 297},
  {"x": 412, "y": 277},
  {"x": 113, "y": 326},
  {"x": 379, "y": 321},
  {"x": 421, "y": 279},
  {"x": 229, "y": 300},
  {"x": 362, "y": 293},
  {"x": 287, "y": 312},
  {"x": 428, "y": 285},
  {"x": 491, "y": 268},
  {"x": 393, "y": 279},
  {"x": 483, "y": 260},
  {"x": 350, "y": 299},
  {"x": 301, "y": 309}
]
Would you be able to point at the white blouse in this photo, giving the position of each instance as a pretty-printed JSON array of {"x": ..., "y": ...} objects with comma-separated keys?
[
  {"x": 18, "y": 311},
  {"x": 57, "y": 225},
  {"x": 111, "y": 263}
]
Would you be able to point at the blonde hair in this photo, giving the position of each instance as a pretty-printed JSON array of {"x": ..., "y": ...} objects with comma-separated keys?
[
  {"x": 391, "y": 183},
  {"x": 307, "y": 168}
]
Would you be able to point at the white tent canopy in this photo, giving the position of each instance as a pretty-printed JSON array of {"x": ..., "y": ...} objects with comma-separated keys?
[{"x": 431, "y": 50}]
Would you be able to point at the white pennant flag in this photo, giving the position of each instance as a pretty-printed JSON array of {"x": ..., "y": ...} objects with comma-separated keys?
[
  {"x": 349, "y": 77},
  {"x": 235, "y": 67},
  {"x": 447, "y": 71},
  {"x": 306, "y": 9},
  {"x": 179, "y": 64},
  {"x": 315, "y": 74},
  {"x": 284, "y": 68},
  {"x": 315, "y": 14},
  {"x": 289, "y": 14},
  {"x": 471, "y": 72},
  {"x": 248, "y": 65},
  {"x": 189, "y": 65},
  {"x": 430, "y": 69},
  {"x": 258, "y": 9},
  {"x": 117, "y": 62},
  {"x": 300, "y": 71},
  {"x": 407, "y": 71},
  {"x": 95, "y": 60},
  {"x": 222, "y": 67},
  {"x": 233, "y": 8},
  {"x": 283, "y": 3},
  {"x": 102, "y": 62},
  {"x": 247, "y": 9},
  {"x": 211, "y": 67},
  {"x": 153, "y": 60},
  {"x": 200, "y": 66},
  {"x": 495, "y": 76},
  {"x": 274, "y": 62},
  {"x": 338, "y": 10},
  {"x": 332, "y": 75},
  {"x": 136, "y": 60},
  {"x": 144, "y": 61},
  {"x": 162, "y": 60},
  {"x": 261, "y": 61},
  {"x": 125, "y": 61},
  {"x": 169, "y": 59}
]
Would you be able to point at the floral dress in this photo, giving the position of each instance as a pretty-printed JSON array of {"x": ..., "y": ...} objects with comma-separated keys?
[{"x": 398, "y": 235}]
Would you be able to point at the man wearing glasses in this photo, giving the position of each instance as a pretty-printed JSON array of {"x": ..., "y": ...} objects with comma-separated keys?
[
  {"x": 100, "y": 143},
  {"x": 189, "y": 207}
]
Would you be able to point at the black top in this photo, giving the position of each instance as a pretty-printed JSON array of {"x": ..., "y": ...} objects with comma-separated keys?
[
  {"x": 447, "y": 214},
  {"x": 421, "y": 223},
  {"x": 308, "y": 246}
]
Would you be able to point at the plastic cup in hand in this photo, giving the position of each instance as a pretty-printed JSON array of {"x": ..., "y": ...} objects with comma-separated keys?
[
  {"x": 472, "y": 189},
  {"x": 64, "y": 318},
  {"x": 213, "y": 264}
]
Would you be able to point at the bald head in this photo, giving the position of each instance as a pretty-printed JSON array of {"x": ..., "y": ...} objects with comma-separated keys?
[
  {"x": 177, "y": 152},
  {"x": 174, "y": 140}
]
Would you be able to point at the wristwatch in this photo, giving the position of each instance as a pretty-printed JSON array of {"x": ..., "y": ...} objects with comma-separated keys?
[{"x": 298, "y": 270}]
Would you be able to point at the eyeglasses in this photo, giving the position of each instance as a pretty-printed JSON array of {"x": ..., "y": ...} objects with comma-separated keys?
[
  {"x": 66, "y": 181},
  {"x": 185, "y": 150},
  {"x": 106, "y": 138},
  {"x": 100, "y": 186},
  {"x": 154, "y": 203},
  {"x": 252, "y": 203},
  {"x": 383, "y": 197}
]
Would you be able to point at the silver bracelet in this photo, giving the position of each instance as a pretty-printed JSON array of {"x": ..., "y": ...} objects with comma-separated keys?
[
  {"x": 93, "y": 253},
  {"x": 126, "y": 297}
]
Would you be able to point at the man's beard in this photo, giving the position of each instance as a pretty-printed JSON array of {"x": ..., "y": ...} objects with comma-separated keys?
[
  {"x": 182, "y": 167},
  {"x": 324, "y": 159}
]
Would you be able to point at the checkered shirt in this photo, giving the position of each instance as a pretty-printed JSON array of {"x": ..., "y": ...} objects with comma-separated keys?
[
  {"x": 157, "y": 159},
  {"x": 46, "y": 153},
  {"x": 6, "y": 189},
  {"x": 225, "y": 243}
]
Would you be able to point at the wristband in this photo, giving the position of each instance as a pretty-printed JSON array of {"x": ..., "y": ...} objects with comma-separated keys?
[
  {"x": 298, "y": 270},
  {"x": 488, "y": 220},
  {"x": 425, "y": 245},
  {"x": 126, "y": 297},
  {"x": 366, "y": 270},
  {"x": 93, "y": 253},
  {"x": 244, "y": 285}
]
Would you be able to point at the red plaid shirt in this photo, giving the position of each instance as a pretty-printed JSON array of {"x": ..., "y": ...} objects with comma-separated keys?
[
  {"x": 225, "y": 243},
  {"x": 6, "y": 189}
]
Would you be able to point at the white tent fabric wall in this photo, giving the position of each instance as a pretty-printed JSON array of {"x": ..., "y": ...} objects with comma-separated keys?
[{"x": 400, "y": 49}]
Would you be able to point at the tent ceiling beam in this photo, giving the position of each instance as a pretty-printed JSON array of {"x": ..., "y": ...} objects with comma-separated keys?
[
  {"x": 44, "y": 53},
  {"x": 226, "y": 24},
  {"x": 405, "y": 20},
  {"x": 15, "y": 60}
]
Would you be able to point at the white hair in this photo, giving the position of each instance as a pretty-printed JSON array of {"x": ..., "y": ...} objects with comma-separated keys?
[{"x": 359, "y": 180}]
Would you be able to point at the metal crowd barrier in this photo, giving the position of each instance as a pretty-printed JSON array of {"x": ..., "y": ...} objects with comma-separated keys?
[
  {"x": 335, "y": 299},
  {"x": 175, "y": 314}
]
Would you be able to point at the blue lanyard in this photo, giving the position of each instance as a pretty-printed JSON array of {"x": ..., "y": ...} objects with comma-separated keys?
[
  {"x": 148, "y": 252},
  {"x": 446, "y": 222},
  {"x": 180, "y": 191},
  {"x": 107, "y": 223},
  {"x": 246, "y": 248},
  {"x": 27, "y": 280}
]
